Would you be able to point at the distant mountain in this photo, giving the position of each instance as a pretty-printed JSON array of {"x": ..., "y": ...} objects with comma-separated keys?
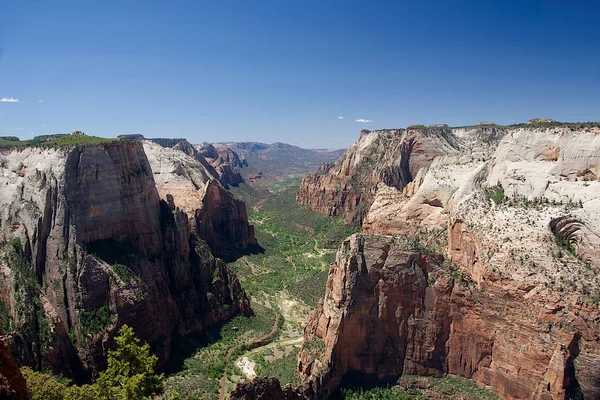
[{"x": 272, "y": 164}]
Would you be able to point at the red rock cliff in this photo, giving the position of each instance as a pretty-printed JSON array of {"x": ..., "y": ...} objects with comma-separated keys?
[
  {"x": 393, "y": 157},
  {"x": 391, "y": 310},
  {"x": 98, "y": 248},
  {"x": 216, "y": 216},
  {"x": 12, "y": 383}
]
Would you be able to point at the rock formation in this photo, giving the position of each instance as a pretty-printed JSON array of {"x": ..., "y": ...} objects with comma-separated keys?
[
  {"x": 225, "y": 161},
  {"x": 88, "y": 246},
  {"x": 484, "y": 264},
  {"x": 392, "y": 157},
  {"x": 264, "y": 165},
  {"x": 263, "y": 389},
  {"x": 215, "y": 215},
  {"x": 12, "y": 383}
]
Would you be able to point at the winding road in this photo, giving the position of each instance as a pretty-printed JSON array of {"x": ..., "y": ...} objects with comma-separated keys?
[{"x": 252, "y": 344}]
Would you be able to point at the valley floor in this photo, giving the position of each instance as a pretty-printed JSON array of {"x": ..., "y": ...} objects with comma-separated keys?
[{"x": 284, "y": 283}]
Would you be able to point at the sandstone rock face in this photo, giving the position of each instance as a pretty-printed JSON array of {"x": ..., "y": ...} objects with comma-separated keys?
[
  {"x": 225, "y": 161},
  {"x": 91, "y": 246},
  {"x": 393, "y": 157},
  {"x": 514, "y": 213},
  {"x": 215, "y": 215},
  {"x": 12, "y": 383},
  {"x": 389, "y": 310}
]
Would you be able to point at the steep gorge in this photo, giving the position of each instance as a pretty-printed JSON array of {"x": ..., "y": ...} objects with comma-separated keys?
[
  {"x": 393, "y": 157},
  {"x": 216, "y": 216},
  {"x": 481, "y": 265},
  {"x": 90, "y": 245}
]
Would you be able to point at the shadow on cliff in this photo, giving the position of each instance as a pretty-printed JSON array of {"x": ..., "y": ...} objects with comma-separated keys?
[
  {"x": 185, "y": 347},
  {"x": 235, "y": 254}
]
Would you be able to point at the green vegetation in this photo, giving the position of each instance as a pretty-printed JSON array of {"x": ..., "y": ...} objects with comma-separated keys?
[
  {"x": 6, "y": 323},
  {"x": 299, "y": 244},
  {"x": 421, "y": 388},
  {"x": 62, "y": 141},
  {"x": 199, "y": 370},
  {"x": 130, "y": 375},
  {"x": 564, "y": 243},
  {"x": 534, "y": 125},
  {"x": 45, "y": 386},
  {"x": 419, "y": 127},
  {"x": 496, "y": 193},
  {"x": 311, "y": 289},
  {"x": 283, "y": 368},
  {"x": 28, "y": 316},
  {"x": 95, "y": 321}
]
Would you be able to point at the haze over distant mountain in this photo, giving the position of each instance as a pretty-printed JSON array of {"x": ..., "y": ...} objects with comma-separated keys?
[{"x": 269, "y": 164}]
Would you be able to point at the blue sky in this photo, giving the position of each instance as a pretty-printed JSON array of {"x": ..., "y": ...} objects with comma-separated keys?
[{"x": 286, "y": 70}]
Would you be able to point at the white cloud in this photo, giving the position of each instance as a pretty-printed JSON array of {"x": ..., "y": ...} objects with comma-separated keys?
[
  {"x": 42, "y": 125},
  {"x": 340, "y": 118},
  {"x": 366, "y": 121},
  {"x": 18, "y": 129},
  {"x": 9, "y": 100},
  {"x": 40, "y": 101}
]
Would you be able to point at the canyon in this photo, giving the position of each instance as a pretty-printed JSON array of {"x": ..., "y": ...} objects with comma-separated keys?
[
  {"x": 94, "y": 238},
  {"x": 478, "y": 258}
]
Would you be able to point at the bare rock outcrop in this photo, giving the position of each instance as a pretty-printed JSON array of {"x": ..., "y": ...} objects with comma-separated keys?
[
  {"x": 12, "y": 382},
  {"x": 484, "y": 265},
  {"x": 263, "y": 388},
  {"x": 393, "y": 157},
  {"x": 216, "y": 216},
  {"x": 225, "y": 161},
  {"x": 89, "y": 245},
  {"x": 390, "y": 309}
]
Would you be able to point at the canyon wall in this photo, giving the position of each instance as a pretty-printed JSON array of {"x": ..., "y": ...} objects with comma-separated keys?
[
  {"x": 90, "y": 245},
  {"x": 225, "y": 161},
  {"x": 216, "y": 216},
  {"x": 391, "y": 309},
  {"x": 12, "y": 382},
  {"x": 393, "y": 157},
  {"x": 484, "y": 264}
]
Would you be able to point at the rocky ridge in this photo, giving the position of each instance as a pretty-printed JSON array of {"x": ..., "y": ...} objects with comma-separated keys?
[
  {"x": 88, "y": 245},
  {"x": 266, "y": 165},
  {"x": 225, "y": 161},
  {"x": 216, "y": 216},
  {"x": 393, "y": 157},
  {"x": 483, "y": 265}
]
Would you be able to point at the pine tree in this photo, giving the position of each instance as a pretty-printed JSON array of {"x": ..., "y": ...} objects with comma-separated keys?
[{"x": 130, "y": 373}]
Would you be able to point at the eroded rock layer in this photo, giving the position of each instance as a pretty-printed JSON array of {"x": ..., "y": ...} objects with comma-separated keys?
[
  {"x": 393, "y": 157},
  {"x": 89, "y": 246},
  {"x": 390, "y": 309},
  {"x": 484, "y": 265},
  {"x": 216, "y": 216},
  {"x": 225, "y": 161}
]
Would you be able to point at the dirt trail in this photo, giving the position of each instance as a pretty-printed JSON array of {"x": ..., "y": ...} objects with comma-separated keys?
[{"x": 252, "y": 343}]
